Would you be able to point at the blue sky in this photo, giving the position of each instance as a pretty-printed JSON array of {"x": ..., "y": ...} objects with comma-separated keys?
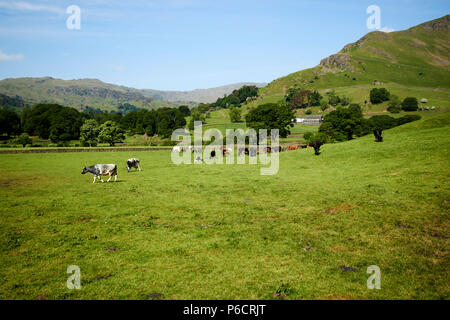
[{"x": 188, "y": 44}]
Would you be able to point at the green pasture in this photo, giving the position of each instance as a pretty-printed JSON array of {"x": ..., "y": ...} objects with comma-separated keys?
[{"x": 227, "y": 232}]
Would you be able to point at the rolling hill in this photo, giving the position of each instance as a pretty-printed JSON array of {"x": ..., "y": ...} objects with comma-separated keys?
[
  {"x": 417, "y": 58},
  {"x": 80, "y": 93}
]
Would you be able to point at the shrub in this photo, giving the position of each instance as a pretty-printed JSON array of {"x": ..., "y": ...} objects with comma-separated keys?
[
  {"x": 383, "y": 122},
  {"x": 168, "y": 143},
  {"x": 24, "y": 139},
  {"x": 308, "y": 111},
  {"x": 407, "y": 118}
]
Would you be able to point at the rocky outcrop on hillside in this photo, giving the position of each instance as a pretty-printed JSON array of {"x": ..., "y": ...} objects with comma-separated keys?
[
  {"x": 339, "y": 60},
  {"x": 438, "y": 24}
]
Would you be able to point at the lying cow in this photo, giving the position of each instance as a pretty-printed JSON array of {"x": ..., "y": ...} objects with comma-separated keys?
[
  {"x": 133, "y": 163},
  {"x": 99, "y": 170},
  {"x": 377, "y": 133}
]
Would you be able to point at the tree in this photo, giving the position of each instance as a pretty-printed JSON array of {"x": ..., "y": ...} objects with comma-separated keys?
[
  {"x": 395, "y": 105},
  {"x": 379, "y": 95},
  {"x": 195, "y": 116},
  {"x": 9, "y": 122},
  {"x": 110, "y": 133},
  {"x": 245, "y": 92},
  {"x": 333, "y": 98},
  {"x": 89, "y": 132},
  {"x": 323, "y": 105},
  {"x": 410, "y": 104},
  {"x": 298, "y": 98},
  {"x": 24, "y": 139},
  {"x": 345, "y": 101},
  {"x": 185, "y": 110},
  {"x": 356, "y": 109},
  {"x": 317, "y": 136},
  {"x": 343, "y": 123},
  {"x": 235, "y": 114},
  {"x": 271, "y": 116},
  {"x": 315, "y": 98}
]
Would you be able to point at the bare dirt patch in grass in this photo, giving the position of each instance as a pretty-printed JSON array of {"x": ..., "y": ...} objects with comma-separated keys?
[{"x": 341, "y": 208}]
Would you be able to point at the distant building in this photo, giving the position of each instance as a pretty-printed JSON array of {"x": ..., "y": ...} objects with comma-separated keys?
[{"x": 310, "y": 120}]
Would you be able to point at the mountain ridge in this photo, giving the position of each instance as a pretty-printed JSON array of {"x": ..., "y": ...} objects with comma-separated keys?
[{"x": 93, "y": 92}]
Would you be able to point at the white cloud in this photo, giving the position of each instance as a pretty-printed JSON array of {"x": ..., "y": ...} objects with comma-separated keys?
[
  {"x": 26, "y": 6},
  {"x": 10, "y": 57},
  {"x": 387, "y": 29}
]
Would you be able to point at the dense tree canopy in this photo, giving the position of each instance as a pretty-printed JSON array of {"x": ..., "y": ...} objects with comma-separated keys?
[
  {"x": 9, "y": 122},
  {"x": 52, "y": 121},
  {"x": 342, "y": 124},
  {"x": 185, "y": 110},
  {"x": 271, "y": 116},
  {"x": 162, "y": 121}
]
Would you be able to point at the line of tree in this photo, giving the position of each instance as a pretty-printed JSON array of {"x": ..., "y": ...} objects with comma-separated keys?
[
  {"x": 59, "y": 123},
  {"x": 345, "y": 123},
  {"x": 160, "y": 121}
]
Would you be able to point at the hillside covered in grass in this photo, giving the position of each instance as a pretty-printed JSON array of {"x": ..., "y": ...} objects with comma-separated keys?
[{"x": 410, "y": 62}]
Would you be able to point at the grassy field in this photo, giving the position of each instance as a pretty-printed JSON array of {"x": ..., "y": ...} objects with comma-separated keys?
[{"x": 226, "y": 232}]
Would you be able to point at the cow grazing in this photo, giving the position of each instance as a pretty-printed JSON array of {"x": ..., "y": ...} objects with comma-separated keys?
[
  {"x": 316, "y": 145},
  {"x": 133, "y": 163},
  {"x": 377, "y": 133},
  {"x": 99, "y": 170},
  {"x": 293, "y": 147}
]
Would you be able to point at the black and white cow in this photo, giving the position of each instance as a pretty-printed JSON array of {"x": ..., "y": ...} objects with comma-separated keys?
[
  {"x": 99, "y": 170},
  {"x": 133, "y": 163}
]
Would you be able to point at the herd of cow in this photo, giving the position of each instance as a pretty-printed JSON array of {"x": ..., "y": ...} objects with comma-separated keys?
[
  {"x": 249, "y": 151},
  {"x": 99, "y": 170}
]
